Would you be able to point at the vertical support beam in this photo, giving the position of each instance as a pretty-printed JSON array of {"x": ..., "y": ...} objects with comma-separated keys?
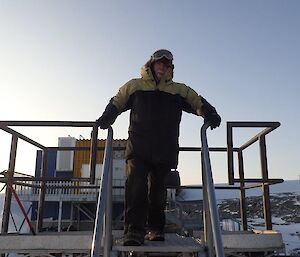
[
  {"x": 8, "y": 193},
  {"x": 93, "y": 154},
  {"x": 230, "y": 155},
  {"x": 242, "y": 191},
  {"x": 42, "y": 193},
  {"x": 102, "y": 198},
  {"x": 265, "y": 187}
]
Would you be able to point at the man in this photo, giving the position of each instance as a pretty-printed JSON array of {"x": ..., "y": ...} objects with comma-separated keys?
[{"x": 156, "y": 103}]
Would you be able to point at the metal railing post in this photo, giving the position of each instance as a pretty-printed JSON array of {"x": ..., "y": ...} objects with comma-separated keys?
[
  {"x": 242, "y": 191},
  {"x": 230, "y": 161},
  {"x": 108, "y": 215},
  {"x": 93, "y": 154},
  {"x": 215, "y": 221},
  {"x": 102, "y": 198},
  {"x": 265, "y": 186},
  {"x": 208, "y": 237}
]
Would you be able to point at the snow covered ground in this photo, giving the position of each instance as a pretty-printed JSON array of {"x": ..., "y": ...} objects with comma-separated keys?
[
  {"x": 290, "y": 233},
  {"x": 291, "y": 237}
]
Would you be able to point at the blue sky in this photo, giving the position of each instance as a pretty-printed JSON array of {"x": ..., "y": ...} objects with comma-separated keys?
[{"x": 64, "y": 60}]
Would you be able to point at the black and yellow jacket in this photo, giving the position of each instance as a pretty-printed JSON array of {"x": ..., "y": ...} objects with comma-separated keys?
[{"x": 155, "y": 115}]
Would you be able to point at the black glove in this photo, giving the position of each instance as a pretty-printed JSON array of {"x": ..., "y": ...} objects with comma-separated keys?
[
  {"x": 103, "y": 122},
  {"x": 214, "y": 119},
  {"x": 210, "y": 114},
  {"x": 108, "y": 117}
]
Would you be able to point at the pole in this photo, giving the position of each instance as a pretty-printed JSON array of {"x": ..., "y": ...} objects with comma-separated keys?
[
  {"x": 108, "y": 214},
  {"x": 242, "y": 191},
  {"x": 8, "y": 193},
  {"x": 42, "y": 193},
  {"x": 208, "y": 237},
  {"x": 214, "y": 215},
  {"x": 102, "y": 198},
  {"x": 93, "y": 154},
  {"x": 265, "y": 186}
]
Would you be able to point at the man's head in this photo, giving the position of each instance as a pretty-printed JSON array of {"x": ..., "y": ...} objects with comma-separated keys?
[{"x": 160, "y": 61}]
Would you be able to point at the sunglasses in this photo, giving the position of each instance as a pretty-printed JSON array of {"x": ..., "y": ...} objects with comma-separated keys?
[{"x": 162, "y": 53}]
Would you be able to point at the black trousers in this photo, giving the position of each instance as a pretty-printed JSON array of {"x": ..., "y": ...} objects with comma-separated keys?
[{"x": 145, "y": 196}]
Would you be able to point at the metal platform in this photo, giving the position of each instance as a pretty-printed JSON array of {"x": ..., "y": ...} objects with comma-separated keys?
[
  {"x": 69, "y": 243},
  {"x": 46, "y": 243},
  {"x": 173, "y": 245},
  {"x": 79, "y": 242},
  {"x": 239, "y": 243}
]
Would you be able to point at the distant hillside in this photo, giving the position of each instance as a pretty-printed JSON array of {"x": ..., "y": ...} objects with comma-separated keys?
[{"x": 289, "y": 186}]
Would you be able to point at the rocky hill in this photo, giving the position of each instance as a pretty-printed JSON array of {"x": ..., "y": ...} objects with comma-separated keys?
[{"x": 284, "y": 205}]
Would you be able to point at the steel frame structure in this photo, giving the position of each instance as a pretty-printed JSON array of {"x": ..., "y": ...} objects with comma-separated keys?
[{"x": 263, "y": 182}]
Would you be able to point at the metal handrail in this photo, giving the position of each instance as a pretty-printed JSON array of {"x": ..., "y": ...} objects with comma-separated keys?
[
  {"x": 104, "y": 204},
  {"x": 210, "y": 194}
]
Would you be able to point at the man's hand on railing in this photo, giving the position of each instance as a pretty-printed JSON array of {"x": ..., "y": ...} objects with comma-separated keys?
[
  {"x": 108, "y": 117},
  {"x": 103, "y": 122},
  {"x": 213, "y": 119},
  {"x": 210, "y": 114}
]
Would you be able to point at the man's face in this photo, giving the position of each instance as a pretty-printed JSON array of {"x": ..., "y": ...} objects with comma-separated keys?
[{"x": 159, "y": 69}]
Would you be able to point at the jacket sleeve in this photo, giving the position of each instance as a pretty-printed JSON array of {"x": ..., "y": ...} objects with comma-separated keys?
[
  {"x": 207, "y": 108},
  {"x": 120, "y": 100},
  {"x": 198, "y": 104},
  {"x": 115, "y": 107}
]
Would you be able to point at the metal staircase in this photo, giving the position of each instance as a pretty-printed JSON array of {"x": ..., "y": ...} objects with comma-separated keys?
[{"x": 104, "y": 242}]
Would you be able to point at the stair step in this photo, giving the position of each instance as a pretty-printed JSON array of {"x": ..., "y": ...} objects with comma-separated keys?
[{"x": 173, "y": 243}]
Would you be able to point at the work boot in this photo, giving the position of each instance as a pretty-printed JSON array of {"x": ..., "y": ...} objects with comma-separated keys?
[
  {"x": 155, "y": 235},
  {"x": 133, "y": 239}
]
